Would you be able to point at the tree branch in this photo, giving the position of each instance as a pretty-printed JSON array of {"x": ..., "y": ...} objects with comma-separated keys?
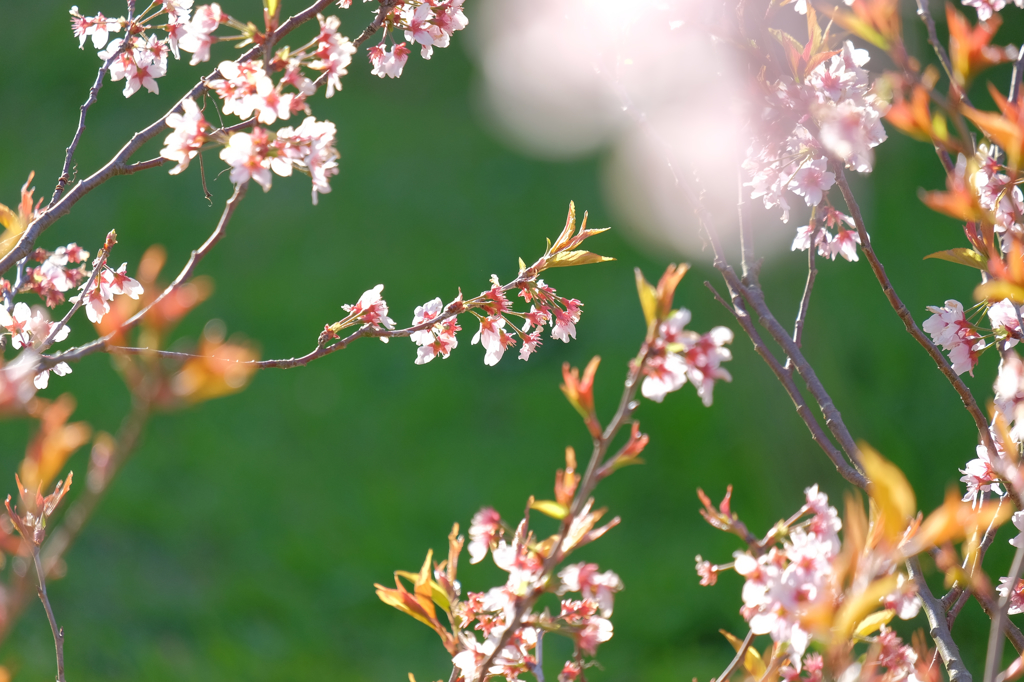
[
  {"x": 939, "y": 630},
  {"x": 737, "y": 659},
  {"x": 58, "y": 633},
  {"x": 818, "y": 435}
]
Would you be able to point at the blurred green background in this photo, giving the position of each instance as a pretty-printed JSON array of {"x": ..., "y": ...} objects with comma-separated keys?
[{"x": 243, "y": 539}]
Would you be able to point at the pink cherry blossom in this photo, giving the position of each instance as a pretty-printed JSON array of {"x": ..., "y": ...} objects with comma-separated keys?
[
  {"x": 388, "y": 62},
  {"x": 247, "y": 154},
  {"x": 198, "y": 38},
  {"x": 949, "y": 329},
  {"x": 371, "y": 309},
  {"x": 812, "y": 181},
  {"x": 484, "y": 532},
  {"x": 188, "y": 137},
  {"x": 599, "y": 587},
  {"x": 98, "y": 27}
]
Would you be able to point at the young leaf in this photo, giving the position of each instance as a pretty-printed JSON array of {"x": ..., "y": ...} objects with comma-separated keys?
[{"x": 968, "y": 257}]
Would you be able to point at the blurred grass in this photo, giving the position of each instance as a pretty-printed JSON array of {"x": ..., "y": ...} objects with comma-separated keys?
[{"x": 243, "y": 539}]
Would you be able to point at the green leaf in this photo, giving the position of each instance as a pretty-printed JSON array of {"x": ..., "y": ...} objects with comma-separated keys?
[
  {"x": 522, "y": 265},
  {"x": 968, "y": 257},
  {"x": 569, "y": 258},
  {"x": 873, "y": 622},
  {"x": 550, "y": 508}
]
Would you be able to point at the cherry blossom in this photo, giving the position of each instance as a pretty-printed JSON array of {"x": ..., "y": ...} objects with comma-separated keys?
[
  {"x": 98, "y": 28},
  {"x": 599, "y": 587},
  {"x": 1005, "y": 322},
  {"x": 388, "y": 62},
  {"x": 986, "y": 8},
  {"x": 247, "y": 154},
  {"x": 188, "y": 137},
  {"x": 484, "y": 532},
  {"x": 949, "y": 329},
  {"x": 198, "y": 38},
  {"x": 334, "y": 53},
  {"x": 812, "y": 181},
  {"x": 371, "y": 309}
]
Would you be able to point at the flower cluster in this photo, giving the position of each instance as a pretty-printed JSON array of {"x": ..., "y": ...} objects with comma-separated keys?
[
  {"x": 986, "y": 8},
  {"x": 427, "y": 23},
  {"x": 830, "y": 112},
  {"x": 30, "y": 328},
  {"x": 678, "y": 355},
  {"x": 833, "y": 235},
  {"x": 584, "y": 620},
  {"x": 800, "y": 580}
]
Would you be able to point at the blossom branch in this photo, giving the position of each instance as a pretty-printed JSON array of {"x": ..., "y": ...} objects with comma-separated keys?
[
  {"x": 183, "y": 276},
  {"x": 118, "y": 164},
  {"x": 58, "y": 633},
  {"x": 602, "y": 441},
  {"x": 97, "y": 268},
  {"x": 805, "y": 300}
]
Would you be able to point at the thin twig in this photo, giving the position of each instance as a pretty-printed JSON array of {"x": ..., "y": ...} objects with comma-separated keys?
[
  {"x": 58, "y": 633},
  {"x": 97, "y": 269},
  {"x": 994, "y": 655},
  {"x": 185, "y": 274},
  {"x": 818, "y": 435},
  {"x": 933, "y": 40},
  {"x": 939, "y": 631},
  {"x": 1013, "y": 633},
  {"x": 755, "y": 299},
  {"x": 737, "y": 659},
  {"x": 911, "y": 325}
]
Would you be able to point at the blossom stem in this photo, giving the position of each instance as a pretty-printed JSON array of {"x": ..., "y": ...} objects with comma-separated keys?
[{"x": 58, "y": 633}]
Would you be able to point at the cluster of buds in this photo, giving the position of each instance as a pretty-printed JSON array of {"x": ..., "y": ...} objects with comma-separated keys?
[
  {"x": 803, "y": 583},
  {"x": 434, "y": 325},
  {"x": 674, "y": 354}
]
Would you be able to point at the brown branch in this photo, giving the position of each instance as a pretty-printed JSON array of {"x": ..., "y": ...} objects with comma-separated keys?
[
  {"x": 939, "y": 630},
  {"x": 385, "y": 8},
  {"x": 1018, "y": 74},
  {"x": 818, "y": 435},
  {"x": 737, "y": 659},
  {"x": 908, "y": 320},
  {"x": 1013, "y": 633},
  {"x": 933, "y": 40},
  {"x": 65, "y": 173},
  {"x": 994, "y": 654},
  {"x": 58, "y": 633},
  {"x": 118, "y": 164},
  {"x": 185, "y": 274}
]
